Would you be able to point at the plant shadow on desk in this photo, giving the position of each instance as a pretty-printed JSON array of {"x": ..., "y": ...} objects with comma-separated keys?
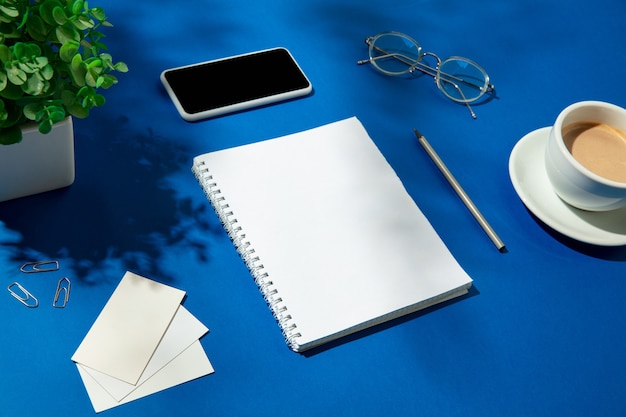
[{"x": 120, "y": 209}]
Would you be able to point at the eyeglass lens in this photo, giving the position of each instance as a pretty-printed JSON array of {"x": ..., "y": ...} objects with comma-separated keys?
[
  {"x": 393, "y": 53},
  {"x": 461, "y": 79}
]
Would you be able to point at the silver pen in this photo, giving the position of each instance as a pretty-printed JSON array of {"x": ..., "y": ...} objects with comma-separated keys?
[{"x": 460, "y": 192}]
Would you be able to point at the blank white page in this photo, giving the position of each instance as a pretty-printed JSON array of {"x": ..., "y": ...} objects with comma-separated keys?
[{"x": 341, "y": 241}]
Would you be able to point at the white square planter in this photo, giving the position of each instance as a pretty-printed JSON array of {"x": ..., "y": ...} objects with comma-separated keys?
[{"x": 39, "y": 162}]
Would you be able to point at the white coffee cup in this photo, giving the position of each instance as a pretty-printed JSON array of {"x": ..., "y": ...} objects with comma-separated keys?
[{"x": 578, "y": 184}]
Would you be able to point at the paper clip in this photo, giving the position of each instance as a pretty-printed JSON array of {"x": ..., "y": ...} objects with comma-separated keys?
[
  {"x": 62, "y": 287},
  {"x": 25, "y": 298},
  {"x": 40, "y": 266}
]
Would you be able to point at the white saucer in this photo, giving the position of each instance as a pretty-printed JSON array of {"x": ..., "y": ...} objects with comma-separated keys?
[{"x": 530, "y": 180}]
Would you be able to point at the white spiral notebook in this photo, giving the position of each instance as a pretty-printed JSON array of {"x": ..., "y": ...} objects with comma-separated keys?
[{"x": 332, "y": 238}]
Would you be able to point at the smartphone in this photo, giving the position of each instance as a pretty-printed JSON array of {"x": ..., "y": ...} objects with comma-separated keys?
[{"x": 236, "y": 83}]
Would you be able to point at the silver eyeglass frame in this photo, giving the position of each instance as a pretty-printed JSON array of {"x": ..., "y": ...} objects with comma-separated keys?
[{"x": 440, "y": 78}]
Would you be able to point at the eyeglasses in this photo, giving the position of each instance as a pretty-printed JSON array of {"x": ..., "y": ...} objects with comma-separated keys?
[{"x": 460, "y": 79}]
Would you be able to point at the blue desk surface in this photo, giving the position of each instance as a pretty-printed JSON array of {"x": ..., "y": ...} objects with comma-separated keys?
[{"x": 542, "y": 334}]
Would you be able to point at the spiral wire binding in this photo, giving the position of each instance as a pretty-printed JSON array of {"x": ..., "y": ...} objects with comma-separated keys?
[{"x": 244, "y": 248}]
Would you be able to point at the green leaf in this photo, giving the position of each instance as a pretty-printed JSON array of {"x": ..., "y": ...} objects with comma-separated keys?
[
  {"x": 19, "y": 50},
  {"x": 57, "y": 114},
  {"x": 98, "y": 13},
  {"x": 10, "y": 135},
  {"x": 47, "y": 72},
  {"x": 106, "y": 58},
  {"x": 67, "y": 33},
  {"x": 99, "y": 100},
  {"x": 36, "y": 28},
  {"x": 68, "y": 50},
  {"x": 31, "y": 110},
  {"x": 5, "y": 53},
  {"x": 16, "y": 76},
  {"x": 83, "y": 23},
  {"x": 77, "y": 6},
  {"x": 91, "y": 78},
  {"x": 23, "y": 22},
  {"x": 10, "y": 11},
  {"x": 78, "y": 70},
  {"x": 46, "y": 11},
  {"x": 108, "y": 81},
  {"x": 41, "y": 61},
  {"x": 3, "y": 81},
  {"x": 45, "y": 126},
  {"x": 78, "y": 111},
  {"x": 95, "y": 37},
  {"x": 31, "y": 50},
  {"x": 78, "y": 75},
  {"x": 11, "y": 92},
  {"x": 68, "y": 98},
  {"x": 77, "y": 61},
  {"x": 59, "y": 16},
  {"x": 83, "y": 92},
  {"x": 121, "y": 67},
  {"x": 94, "y": 64},
  {"x": 34, "y": 86}
]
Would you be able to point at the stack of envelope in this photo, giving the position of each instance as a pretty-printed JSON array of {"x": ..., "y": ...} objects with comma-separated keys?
[{"x": 143, "y": 341}]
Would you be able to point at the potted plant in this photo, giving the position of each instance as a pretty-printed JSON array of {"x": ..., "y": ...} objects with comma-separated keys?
[{"x": 53, "y": 65}]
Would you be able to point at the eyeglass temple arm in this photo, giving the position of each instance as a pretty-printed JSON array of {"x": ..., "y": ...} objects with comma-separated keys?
[
  {"x": 404, "y": 59},
  {"x": 465, "y": 101}
]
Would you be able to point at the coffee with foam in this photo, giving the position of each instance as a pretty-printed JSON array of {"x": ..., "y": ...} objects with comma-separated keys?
[{"x": 598, "y": 147}]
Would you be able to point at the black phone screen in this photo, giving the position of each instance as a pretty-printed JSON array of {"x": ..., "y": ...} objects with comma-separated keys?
[{"x": 225, "y": 82}]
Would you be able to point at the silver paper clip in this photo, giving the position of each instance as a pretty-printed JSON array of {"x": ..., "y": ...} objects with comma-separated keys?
[
  {"x": 63, "y": 287},
  {"x": 25, "y": 297},
  {"x": 40, "y": 266}
]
